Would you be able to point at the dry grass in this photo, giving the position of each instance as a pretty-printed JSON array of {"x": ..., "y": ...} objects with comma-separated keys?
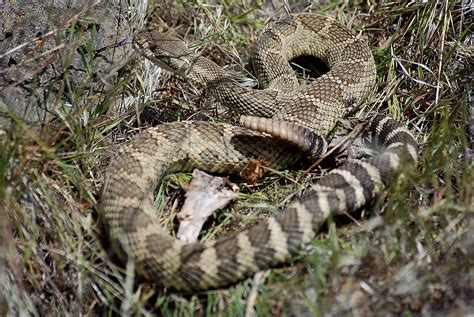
[{"x": 411, "y": 253}]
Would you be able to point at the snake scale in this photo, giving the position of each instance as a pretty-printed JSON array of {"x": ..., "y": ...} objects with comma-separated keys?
[{"x": 282, "y": 123}]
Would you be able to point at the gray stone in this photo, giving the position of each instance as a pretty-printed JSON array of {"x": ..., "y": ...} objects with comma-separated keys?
[{"x": 41, "y": 69}]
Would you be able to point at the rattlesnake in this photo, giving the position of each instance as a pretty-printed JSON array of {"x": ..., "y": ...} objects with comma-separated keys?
[{"x": 298, "y": 121}]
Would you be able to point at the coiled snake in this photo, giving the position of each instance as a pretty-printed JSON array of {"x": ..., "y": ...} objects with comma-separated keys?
[{"x": 294, "y": 123}]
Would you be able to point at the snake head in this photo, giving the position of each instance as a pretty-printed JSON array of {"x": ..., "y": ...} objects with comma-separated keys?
[{"x": 164, "y": 50}]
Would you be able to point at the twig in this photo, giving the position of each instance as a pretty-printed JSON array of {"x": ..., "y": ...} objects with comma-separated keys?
[{"x": 259, "y": 279}]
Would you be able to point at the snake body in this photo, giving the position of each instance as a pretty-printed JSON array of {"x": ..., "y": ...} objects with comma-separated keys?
[{"x": 282, "y": 124}]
